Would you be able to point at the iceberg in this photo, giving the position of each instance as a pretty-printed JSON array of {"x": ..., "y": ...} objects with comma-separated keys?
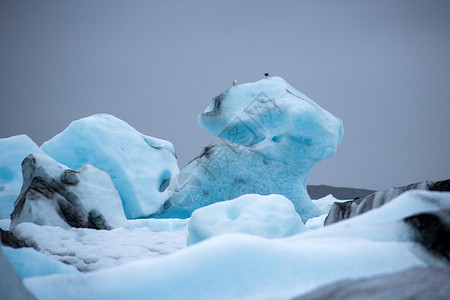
[
  {"x": 13, "y": 151},
  {"x": 52, "y": 194},
  {"x": 273, "y": 135},
  {"x": 140, "y": 166},
  {"x": 348, "y": 209},
  {"x": 271, "y": 216}
]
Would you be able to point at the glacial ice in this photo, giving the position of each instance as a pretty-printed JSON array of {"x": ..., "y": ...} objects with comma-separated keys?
[
  {"x": 29, "y": 263},
  {"x": 242, "y": 266},
  {"x": 273, "y": 135},
  {"x": 271, "y": 216},
  {"x": 11, "y": 286},
  {"x": 13, "y": 150},
  {"x": 52, "y": 194},
  {"x": 253, "y": 247},
  {"x": 348, "y": 209},
  {"x": 140, "y": 166}
]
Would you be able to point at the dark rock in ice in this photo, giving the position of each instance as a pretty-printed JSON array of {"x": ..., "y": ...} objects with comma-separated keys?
[
  {"x": 66, "y": 205},
  {"x": 69, "y": 177},
  {"x": 341, "y": 193},
  {"x": 51, "y": 195},
  {"x": 8, "y": 239},
  {"x": 11, "y": 286},
  {"x": 345, "y": 210},
  {"x": 432, "y": 231},
  {"x": 418, "y": 283}
]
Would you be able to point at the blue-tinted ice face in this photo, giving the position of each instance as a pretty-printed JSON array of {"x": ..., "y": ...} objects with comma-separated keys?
[{"x": 273, "y": 117}]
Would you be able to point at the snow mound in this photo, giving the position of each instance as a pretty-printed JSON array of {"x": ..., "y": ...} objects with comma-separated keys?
[
  {"x": 13, "y": 151},
  {"x": 29, "y": 263},
  {"x": 52, "y": 194},
  {"x": 271, "y": 216},
  {"x": 234, "y": 266},
  {"x": 140, "y": 166},
  {"x": 242, "y": 266},
  {"x": 273, "y": 136}
]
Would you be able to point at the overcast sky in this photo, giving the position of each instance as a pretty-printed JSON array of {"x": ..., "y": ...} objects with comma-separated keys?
[{"x": 383, "y": 67}]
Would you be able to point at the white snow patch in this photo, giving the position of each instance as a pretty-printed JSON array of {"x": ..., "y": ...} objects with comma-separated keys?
[{"x": 90, "y": 249}]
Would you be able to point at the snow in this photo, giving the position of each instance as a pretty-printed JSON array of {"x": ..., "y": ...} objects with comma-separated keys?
[
  {"x": 243, "y": 266},
  {"x": 140, "y": 166},
  {"x": 273, "y": 135},
  {"x": 13, "y": 150},
  {"x": 29, "y": 263},
  {"x": 234, "y": 266},
  {"x": 323, "y": 204},
  {"x": 91, "y": 249},
  {"x": 159, "y": 224},
  {"x": 271, "y": 216},
  {"x": 91, "y": 192}
]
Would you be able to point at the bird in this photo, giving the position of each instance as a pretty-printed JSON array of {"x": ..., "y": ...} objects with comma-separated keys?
[
  {"x": 266, "y": 74},
  {"x": 234, "y": 82}
]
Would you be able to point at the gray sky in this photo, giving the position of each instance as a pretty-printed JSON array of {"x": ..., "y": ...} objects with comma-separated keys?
[{"x": 383, "y": 67}]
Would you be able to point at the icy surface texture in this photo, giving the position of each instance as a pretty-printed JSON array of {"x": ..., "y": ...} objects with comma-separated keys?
[
  {"x": 90, "y": 249},
  {"x": 340, "y": 211},
  {"x": 241, "y": 266},
  {"x": 29, "y": 263},
  {"x": 271, "y": 216},
  {"x": 159, "y": 224},
  {"x": 273, "y": 136},
  {"x": 52, "y": 194},
  {"x": 140, "y": 166},
  {"x": 13, "y": 151},
  {"x": 11, "y": 286}
]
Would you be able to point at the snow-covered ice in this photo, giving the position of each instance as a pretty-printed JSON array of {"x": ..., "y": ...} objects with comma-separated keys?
[
  {"x": 271, "y": 216},
  {"x": 340, "y": 211},
  {"x": 52, "y": 194},
  {"x": 273, "y": 136},
  {"x": 243, "y": 266},
  {"x": 91, "y": 249},
  {"x": 159, "y": 224},
  {"x": 140, "y": 166},
  {"x": 13, "y": 150},
  {"x": 235, "y": 266}
]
